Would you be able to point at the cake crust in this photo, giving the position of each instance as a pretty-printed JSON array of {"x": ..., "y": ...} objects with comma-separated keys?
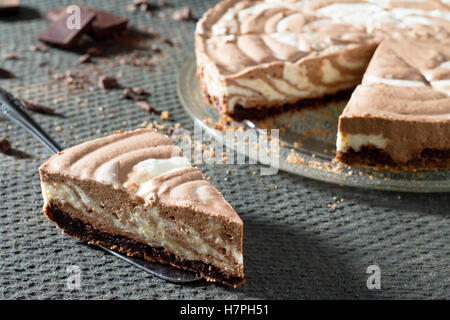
[{"x": 373, "y": 157}]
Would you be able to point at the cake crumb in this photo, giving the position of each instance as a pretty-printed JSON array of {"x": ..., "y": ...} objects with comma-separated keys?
[{"x": 164, "y": 115}]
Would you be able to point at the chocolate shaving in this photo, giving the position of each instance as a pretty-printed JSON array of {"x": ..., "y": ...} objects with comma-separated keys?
[
  {"x": 4, "y": 145},
  {"x": 38, "y": 108}
]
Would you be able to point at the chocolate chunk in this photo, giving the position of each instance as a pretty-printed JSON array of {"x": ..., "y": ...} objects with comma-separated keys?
[
  {"x": 105, "y": 82},
  {"x": 105, "y": 23},
  {"x": 4, "y": 145},
  {"x": 10, "y": 55},
  {"x": 145, "y": 106},
  {"x": 5, "y": 74},
  {"x": 37, "y": 108},
  {"x": 9, "y": 6},
  {"x": 184, "y": 14},
  {"x": 58, "y": 33}
]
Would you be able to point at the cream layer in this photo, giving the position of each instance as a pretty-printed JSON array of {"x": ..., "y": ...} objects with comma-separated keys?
[{"x": 356, "y": 141}]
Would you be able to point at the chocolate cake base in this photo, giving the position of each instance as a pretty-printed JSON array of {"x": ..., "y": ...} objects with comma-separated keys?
[
  {"x": 81, "y": 231},
  {"x": 259, "y": 113},
  {"x": 371, "y": 156}
]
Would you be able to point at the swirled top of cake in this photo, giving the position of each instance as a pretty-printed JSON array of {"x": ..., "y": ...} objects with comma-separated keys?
[
  {"x": 238, "y": 35},
  {"x": 147, "y": 165}
]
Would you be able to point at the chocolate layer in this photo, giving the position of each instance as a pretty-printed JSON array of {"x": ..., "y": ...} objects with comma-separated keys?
[
  {"x": 81, "y": 231},
  {"x": 370, "y": 156}
]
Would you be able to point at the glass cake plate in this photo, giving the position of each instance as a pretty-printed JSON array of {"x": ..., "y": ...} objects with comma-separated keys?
[{"x": 307, "y": 140}]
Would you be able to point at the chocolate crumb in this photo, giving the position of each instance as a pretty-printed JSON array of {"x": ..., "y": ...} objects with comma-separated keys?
[
  {"x": 106, "y": 82},
  {"x": 4, "y": 145}
]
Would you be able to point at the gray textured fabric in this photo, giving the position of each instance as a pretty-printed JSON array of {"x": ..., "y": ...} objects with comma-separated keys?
[{"x": 295, "y": 245}]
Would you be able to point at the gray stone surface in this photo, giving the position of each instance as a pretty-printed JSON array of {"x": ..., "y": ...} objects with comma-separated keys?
[{"x": 295, "y": 245}]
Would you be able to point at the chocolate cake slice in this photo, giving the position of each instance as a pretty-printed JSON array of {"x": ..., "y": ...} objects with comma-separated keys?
[
  {"x": 399, "y": 117},
  {"x": 136, "y": 193}
]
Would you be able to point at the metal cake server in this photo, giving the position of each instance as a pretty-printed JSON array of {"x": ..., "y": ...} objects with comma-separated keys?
[{"x": 13, "y": 109}]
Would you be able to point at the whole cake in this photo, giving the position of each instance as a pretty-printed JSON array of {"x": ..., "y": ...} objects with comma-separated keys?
[
  {"x": 134, "y": 192},
  {"x": 257, "y": 58}
]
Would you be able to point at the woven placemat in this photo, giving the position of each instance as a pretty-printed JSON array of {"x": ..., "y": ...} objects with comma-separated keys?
[{"x": 303, "y": 239}]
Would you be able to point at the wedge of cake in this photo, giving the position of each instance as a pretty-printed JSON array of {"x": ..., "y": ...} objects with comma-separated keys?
[
  {"x": 399, "y": 117},
  {"x": 134, "y": 192},
  {"x": 256, "y": 58}
]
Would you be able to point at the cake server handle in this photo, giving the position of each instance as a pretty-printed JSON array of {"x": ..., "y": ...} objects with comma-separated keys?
[{"x": 14, "y": 110}]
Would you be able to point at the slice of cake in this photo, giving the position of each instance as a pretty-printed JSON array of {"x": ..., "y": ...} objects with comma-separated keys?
[
  {"x": 134, "y": 192},
  {"x": 399, "y": 117}
]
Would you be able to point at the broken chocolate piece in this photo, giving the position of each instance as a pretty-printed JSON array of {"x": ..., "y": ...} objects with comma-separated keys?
[
  {"x": 4, "y": 144},
  {"x": 106, "y": 82},
  {"x": 59, "y": 34},
  {"x": 37, "y": 108},
  {"x": 5, "y": 74},
  {"x": 105, "y": 23}
]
